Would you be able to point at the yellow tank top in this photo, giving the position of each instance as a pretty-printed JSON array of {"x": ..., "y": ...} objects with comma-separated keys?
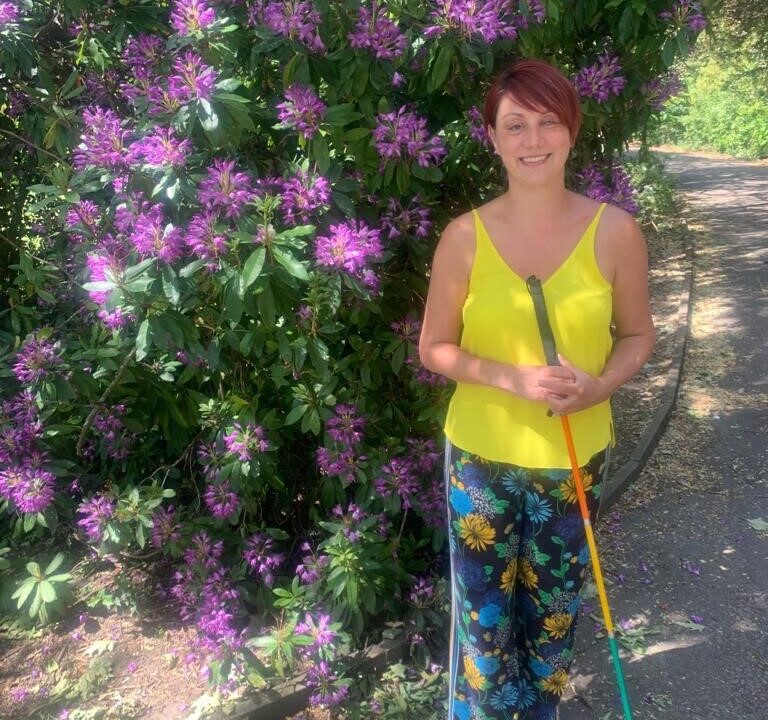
[{"x": 499, "y": 324}]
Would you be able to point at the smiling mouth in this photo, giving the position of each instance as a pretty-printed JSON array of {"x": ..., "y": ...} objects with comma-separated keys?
[{"x": 533, "y": 159}]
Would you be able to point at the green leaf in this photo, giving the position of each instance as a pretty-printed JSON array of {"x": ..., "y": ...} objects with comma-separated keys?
[
  {"x": 356, "y": 134},
  {"x": 54, "y": 564},
  {"x": 47, "y": 592},
  {"x": 252, "y": 269},
  {"x": 291, "y": 264},
  {"x": 340, "y": 115},
  {"x": 23, "y": 592},
  {"x": 140, "y": 536},
  {"x": 295, "y": 232},
  {"x": 440, "y": 67},
  {"x": 296, "y": 414},
  {"x": 192, "y": 268},
  {"x": 321, "y": 153},
  {"x": 142, "y": 340},
  {"x": 34, "y": 569},
  {"x": 99, "y": 286}
]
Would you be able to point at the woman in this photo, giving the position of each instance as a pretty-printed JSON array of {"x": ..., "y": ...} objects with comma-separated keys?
[{"x": 518, "y": 552}]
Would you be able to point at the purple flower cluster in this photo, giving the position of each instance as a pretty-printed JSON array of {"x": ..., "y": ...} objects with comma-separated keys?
[
  {"x": 83, "y": 216},
  {"x": 207, "y": 594},
  {"x": 153, "y": 236},
  {"x": 403, "y": 479},
  {"x": 244, "y": 443},
  {"x": 20, "y": 426},
  {"x": 115, "y": 439},
  {"x": 346, "y": 427},
  {"x": 341, "y": 459},
  {"x": 31, "y": 489},
  {"x": 350, "y": 519},
  {"x": 102, "y": 267},
  {"x": 302, "y": 195},
  {"x": 9, "y": 14},
  {"x": 602, "y": 80},
  {"x": 191, "y": 16},
  {"x": 324, "y": 684},
  {"x": 193, "y": 79},
  {"x": 619, "y": 192},
  {"x": 412, "y": 220},
  {"x": 432, "y": 501},
  {"x": 350, "y": 247},
  {"x": 660, "y": 89},
  {"x": 144, "y": 52},
  {"x": 205, "y": 240},
  {"x": 408, "y": 329},
  {"x": 17, "y": 103},
  {"x": 302, "y": 110},
  {"x": 403, "y": 135},
  {"x": 294, "y": 19},
  {"x": 477, "y": 129},
  {"x": 423, "y": 454},
  {"x": 262, "y": 557},
  {"x": 687, "y": 13},
  {"x": 312, "y": 566},
  {"x": 36, "y": 358},
  {"x": 221, "y": 501},
  {"x": 165, "y": 528},
  {"x": 398, "y": 479},
  {"x": 422, "y": 592},
  {"x": 319, "y": 630},
  {"x": 376, "y": 32},
  {"x": 226, "y": 190},
  {"x": 161, "y": 148},
  {"x": 103, "y": 141},
  {"x": 24, "y": 481},
  {"x": 96, "y": 513},
  {"x": 490, "y": 21}
]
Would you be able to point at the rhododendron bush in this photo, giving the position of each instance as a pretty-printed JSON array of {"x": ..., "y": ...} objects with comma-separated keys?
[{"x": 218, "y": 220}]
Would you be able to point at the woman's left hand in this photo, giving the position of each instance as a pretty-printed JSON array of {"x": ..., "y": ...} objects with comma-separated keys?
[{"x": 578, "y": 392}]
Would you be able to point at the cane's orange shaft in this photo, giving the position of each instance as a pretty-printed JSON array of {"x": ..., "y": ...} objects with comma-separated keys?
[{"x": 582, "y": 498}]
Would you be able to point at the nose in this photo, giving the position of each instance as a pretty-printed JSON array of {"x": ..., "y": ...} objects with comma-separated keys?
[{"x": 532, "y": 136}]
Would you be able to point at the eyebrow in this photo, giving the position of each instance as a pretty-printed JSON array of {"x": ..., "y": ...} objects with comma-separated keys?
[{"x": 513, "y": 114}]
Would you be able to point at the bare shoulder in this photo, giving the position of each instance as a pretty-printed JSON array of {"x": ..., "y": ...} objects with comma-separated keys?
[
  {"x": 460, "y": 230},
  {"x": 457, "y": 242},
  {"x": 619, "y": 230}
]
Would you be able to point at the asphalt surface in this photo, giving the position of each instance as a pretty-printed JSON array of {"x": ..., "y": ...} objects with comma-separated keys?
[{"x": 688, "y": 572}]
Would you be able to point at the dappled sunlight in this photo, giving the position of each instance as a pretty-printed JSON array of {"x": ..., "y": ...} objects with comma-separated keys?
[{"x": 663, "y": 646}]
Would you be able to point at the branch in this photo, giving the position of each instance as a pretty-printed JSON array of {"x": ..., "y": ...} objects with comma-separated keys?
[
  {"x": 92, "y": 415},
  {"x": 31, "y": 144},
  {"x": 5, "y": 238}
]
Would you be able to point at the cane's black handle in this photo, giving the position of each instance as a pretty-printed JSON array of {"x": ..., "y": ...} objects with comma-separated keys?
[{"x": 542, "y": 319}]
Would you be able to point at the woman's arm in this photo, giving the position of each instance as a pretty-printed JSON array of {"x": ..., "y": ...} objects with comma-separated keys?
[
  {"x": 622, "y": 250},
  {"x": 439, "y": 348}
]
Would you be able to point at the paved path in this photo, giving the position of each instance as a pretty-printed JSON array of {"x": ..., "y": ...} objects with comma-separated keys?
[{"x": 689, "y": 572}]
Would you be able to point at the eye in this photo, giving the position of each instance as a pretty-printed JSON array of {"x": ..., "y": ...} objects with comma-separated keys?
[{"x": 514, "y": 127}]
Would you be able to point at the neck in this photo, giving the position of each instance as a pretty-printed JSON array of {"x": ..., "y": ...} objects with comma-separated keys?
[{"x": 536, "y": 203}]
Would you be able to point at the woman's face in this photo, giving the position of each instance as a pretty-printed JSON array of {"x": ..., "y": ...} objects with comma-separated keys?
[{"x": 533, "y": 145}]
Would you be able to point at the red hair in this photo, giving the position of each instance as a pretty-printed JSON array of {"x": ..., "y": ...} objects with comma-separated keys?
[{"x": 538, "y": 86}]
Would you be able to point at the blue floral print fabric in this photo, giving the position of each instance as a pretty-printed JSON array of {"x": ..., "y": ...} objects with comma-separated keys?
[{"x": 518, "y": 562}]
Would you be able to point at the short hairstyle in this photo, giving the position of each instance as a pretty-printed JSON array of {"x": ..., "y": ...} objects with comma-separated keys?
[{"x": 538, "y": 86}]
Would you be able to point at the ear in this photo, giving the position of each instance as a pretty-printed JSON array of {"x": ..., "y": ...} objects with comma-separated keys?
[{"x": 492, "y": 135}]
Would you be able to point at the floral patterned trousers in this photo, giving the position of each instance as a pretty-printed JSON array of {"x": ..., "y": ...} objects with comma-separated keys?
[{"x": 518, "y": 561}]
